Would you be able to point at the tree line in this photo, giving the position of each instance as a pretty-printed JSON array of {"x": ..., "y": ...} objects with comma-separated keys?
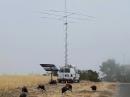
[{"x": 112, "y": 71}]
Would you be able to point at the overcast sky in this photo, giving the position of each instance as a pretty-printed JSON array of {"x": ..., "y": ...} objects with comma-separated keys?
[{"x": 26, "y": 40}]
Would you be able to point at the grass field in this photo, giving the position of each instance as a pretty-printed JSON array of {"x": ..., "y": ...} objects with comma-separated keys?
[{"x": 10, "y": 86}]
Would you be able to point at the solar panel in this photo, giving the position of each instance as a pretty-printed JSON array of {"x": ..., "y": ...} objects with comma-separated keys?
[{"x": 49, "y": 67}]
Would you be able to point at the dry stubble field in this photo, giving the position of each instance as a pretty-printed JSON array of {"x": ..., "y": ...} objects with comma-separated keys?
[{"x": 10, "y": 86}]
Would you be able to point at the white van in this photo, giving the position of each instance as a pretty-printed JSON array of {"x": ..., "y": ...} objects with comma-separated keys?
[{"x": 69, "y": 74}]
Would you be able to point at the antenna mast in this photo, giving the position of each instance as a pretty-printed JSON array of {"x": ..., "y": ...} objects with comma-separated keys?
[
  {"x": 65, "y": 16},
  {"x": 66, "y": 34}
]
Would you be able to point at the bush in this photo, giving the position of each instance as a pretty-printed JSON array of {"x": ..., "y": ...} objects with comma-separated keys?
[{"x": 89, "y": 75}]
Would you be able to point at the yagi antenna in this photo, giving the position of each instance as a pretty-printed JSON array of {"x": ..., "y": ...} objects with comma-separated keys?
[{"x": 67, "y": 17}]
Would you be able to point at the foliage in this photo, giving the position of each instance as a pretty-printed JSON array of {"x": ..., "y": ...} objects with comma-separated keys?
[
  {"x": 109, "y": 69},
  {"x": 115, "y": 72},
  {"x": 89, "y": 75}
]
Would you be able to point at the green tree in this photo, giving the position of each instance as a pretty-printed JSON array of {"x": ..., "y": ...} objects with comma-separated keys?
[
  {"x": 110, "y": 70},
  {"x": 89, "y": 75},
  {"x": 115, "y": 72}
]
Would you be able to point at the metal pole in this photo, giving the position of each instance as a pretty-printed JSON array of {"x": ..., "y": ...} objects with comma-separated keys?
[
  {"x": 66, "y": 35},
  {"x": 51, "y": 76}
]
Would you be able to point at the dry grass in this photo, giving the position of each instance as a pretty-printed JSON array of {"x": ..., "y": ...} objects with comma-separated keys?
[
  {"x": 10, "y": 86},
  {"x": 9, "y": 82}
]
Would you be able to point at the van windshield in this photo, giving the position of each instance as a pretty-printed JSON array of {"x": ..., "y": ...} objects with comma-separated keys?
[{"x": 66, "y": 70}]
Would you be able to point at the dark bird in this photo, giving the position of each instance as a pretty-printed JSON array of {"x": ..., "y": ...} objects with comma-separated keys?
[
  {"x": 24, "y": 89},
  {"x": 94, "y": 88},
  {"x": 67, "y": 87},
  {"x": 42, "y": 87}
]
